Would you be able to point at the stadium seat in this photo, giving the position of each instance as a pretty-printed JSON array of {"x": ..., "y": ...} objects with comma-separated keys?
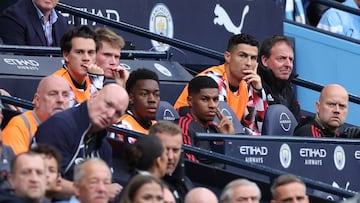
[
  {"x": 167, "y": 112},
  {"x": 278, "y": 120},
  {"x": 230, "y": 114}
]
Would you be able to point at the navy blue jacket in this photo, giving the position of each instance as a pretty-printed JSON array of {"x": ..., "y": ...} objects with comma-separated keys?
[
  {"x": 67, "y": 132},
  {"x": 20, "y": 25}
]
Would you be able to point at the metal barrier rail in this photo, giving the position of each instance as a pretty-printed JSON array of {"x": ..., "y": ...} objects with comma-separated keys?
[
  {"x": 270, "y": 172},
  {"x": 141, "y": 32},
  {"x": 40, "y": 50}
]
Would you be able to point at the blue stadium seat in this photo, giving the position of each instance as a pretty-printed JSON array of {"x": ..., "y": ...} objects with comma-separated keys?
[
  {"x": 230, "y": 114},
  {"x": 166, "y": 111},
  {"x": 278, "y": 121}
]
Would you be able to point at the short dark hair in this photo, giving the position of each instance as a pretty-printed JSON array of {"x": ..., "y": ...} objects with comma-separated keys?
[
  {"x": 48, "y": 151},
  {"x": 284, "y": 180},
  {"x": 201, "y": 82},
  {"x": 268, "y": 43},
  {"x": 81, "y": 31},
  {"x": 242, "y": 39},
  {"x": 140, "y": 74}
]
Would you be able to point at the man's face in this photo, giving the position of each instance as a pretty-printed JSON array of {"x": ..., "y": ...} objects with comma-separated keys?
[
  {"x": 245, "y": 193},
  {"x": 52, "y": 98},
  {"x": 46, "y": 5},
  {"x": 332, "y": 109},
  {"x": 108, "y": 57},
  {"x": 291, "y": 193},
  {"x": 107, "y": 105},
  {"x": 172, "y": 145},
  {"x": 145, "y": 99},
  {"x": 280, "y": 60},
  {"x": 240, "y": 58},
  {"x": 149, "y": 193},
  {"x": 204, "y": 104},
  {"x": 52, "y": 175},
  {"x": 29, "y": 177},
  {"x": 81, "y": 55},
  {"x": 94, "y": 187}
]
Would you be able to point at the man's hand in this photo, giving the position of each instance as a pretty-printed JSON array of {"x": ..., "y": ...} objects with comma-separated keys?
[
  {"x": 114, "y": 189},
  {"x": 95, "y": 69},
  {"x": 225, "y": 126},
  {"x": 120, "y": 75},
  {"x": 251, "y": 77}
]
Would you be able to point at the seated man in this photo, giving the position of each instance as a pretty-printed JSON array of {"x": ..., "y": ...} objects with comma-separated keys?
[
  {"x": 288, "y": 188},
  {"x": 203, "y": 101},
  {"x": 80, "y": 132},
  {"x": 78, "y": 47},
  {"x": 91, "y": 180},
  {"x": 342, "y": 22},
  {"x": 275, "y": 70},
  {"x": 240, "y": 190},
  {"x": 177, "y": 181},
  {"x": 28, "y": 177},
  {"x": 144, "y": 98},
  {"x": 331, "y": 112},
  {"x": 32, "y": 23},
  {"x": 239, "y": 84},
  {"x": 108, "y": 55},
  {"x": 52, "y": 160},
  {"x": 52, "y": 96}
]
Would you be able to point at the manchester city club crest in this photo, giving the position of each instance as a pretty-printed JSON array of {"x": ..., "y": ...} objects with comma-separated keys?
[{"x": 162, "y": 24}]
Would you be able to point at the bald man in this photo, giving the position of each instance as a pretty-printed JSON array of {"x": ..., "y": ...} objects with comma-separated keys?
[
  {"x": 52, "y": 96},
  {"x": 200, "y": 195},
  {"x": 331, "y": 112},
  {"x": 80, "y": 132}
]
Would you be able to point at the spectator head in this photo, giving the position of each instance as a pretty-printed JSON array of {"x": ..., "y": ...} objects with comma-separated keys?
[
  {"x": 277, "y": 54},
  {"x": 52, "y": 96},
  {"x": 106, "y": 106},
  {"x": 143, "y": 88},
  {"x": 108, "y": 53},
  {"x": 200, "y": 195},
  {"x": 28, "y": 176},
  {"x": 143, "y": 188},
  {"x": 168, "y": 196},
  {"x": 240, "y": 190},
  {"x": 332, "y": 107},
  {"x": 79, "y": 46},
  {"x": 203, "y": 99},
  {"x": 147, "y": 154},
  {"x": 241, "y": 54},
  {"x": 52, "y": 160},
  {"x": 170, "y": 135},
  {"x": 288, "y": 188},
  {"x": 92, "y": 179},
  {"x": 46, "y": 6}
]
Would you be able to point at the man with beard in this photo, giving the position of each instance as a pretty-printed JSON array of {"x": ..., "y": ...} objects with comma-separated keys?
[{"x": 331, "y": 112}]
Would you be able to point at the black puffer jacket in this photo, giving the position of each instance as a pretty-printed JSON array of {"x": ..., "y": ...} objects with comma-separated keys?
[{"x": 279, "y": 92}]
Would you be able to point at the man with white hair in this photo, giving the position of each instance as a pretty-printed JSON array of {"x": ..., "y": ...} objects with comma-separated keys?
[{"x": 240, "y": 190}]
